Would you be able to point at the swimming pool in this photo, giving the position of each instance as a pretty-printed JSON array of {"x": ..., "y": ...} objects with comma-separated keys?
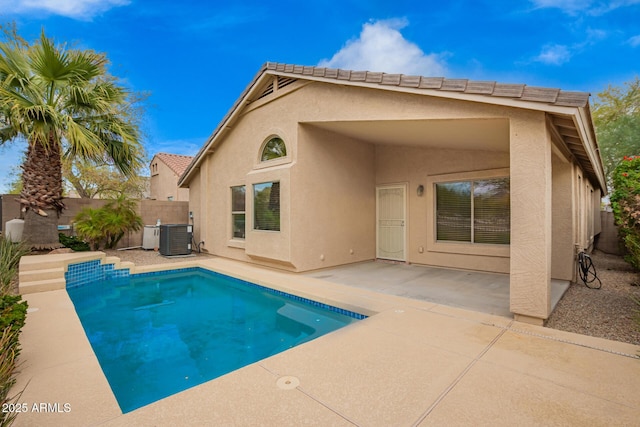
[{"x": 158, "y": 334}]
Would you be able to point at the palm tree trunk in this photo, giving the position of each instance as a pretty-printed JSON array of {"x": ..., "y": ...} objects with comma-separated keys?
[{"x": 41, "y": 196}]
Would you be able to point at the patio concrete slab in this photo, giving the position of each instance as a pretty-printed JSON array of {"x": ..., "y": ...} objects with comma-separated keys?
[
  {"x": 473, "y": 290},
  {"x": 249, "y": 396},
  {"x": 371, "y": 376},
  {"x": 490, "y": 395},
  {"x": 412, "y": 362},
  {"x": 578, "y": 369},
  {"x": 58, "y": 367}
]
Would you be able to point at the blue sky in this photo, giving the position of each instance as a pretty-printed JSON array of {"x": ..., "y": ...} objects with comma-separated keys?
[{"x": 196, "y": 57}]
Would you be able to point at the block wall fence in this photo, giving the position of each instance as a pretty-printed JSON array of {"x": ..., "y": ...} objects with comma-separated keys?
[{"x": 150, "y": 211}]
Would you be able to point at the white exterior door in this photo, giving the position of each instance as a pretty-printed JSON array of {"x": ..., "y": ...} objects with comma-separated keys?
[{"x": 390, "y": 219}]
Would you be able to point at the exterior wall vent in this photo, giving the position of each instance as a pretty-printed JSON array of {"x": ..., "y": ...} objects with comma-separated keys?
[
  {"x": 175, "y": 239},
  {"x": 285, "y": 81},
  {"x": 267, "y": 91}
]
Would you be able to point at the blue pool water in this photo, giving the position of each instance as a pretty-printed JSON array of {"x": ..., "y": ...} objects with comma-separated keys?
[{"x": 156, "y": 335}]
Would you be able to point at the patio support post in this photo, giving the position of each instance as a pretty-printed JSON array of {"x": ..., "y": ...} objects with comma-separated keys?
[{"x": 531, "y": 242}]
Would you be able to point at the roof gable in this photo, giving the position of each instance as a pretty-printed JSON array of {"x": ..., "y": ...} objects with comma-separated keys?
[
  {"x": 554, "y": 102},
  {"x": 176, "y": 162}
]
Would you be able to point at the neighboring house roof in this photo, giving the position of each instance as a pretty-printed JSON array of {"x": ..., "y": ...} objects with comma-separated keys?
[
  {"x": 568, "y": 111},
  {"x": 176, "y": 162}
]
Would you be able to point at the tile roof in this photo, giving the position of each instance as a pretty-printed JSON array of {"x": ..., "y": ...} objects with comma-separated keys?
[
  {"x": 558, "y": 103},
  {"x": 176, "y": 162},
  {"x": 522, "y": 92}
]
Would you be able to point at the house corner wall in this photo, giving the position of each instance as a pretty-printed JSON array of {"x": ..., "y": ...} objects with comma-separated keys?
[
  {"x": 164, "y": 185},
  {"x": 562, "y": 264},
  {"x": 531, "y": 220},
  {"x": 332, "y": 200}
]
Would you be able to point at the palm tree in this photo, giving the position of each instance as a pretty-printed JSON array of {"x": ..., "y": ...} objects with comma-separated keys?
[{"x": 63, "y": 103}]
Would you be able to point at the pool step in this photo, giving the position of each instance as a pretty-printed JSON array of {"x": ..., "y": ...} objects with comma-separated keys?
[
  {"x": 41, "y": 273},
  {"x": 34, "y": 286},
  {"x": 40, "y": 262}
]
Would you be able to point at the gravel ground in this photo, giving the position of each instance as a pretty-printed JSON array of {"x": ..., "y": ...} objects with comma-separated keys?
[{"x": 607, "y": 312}]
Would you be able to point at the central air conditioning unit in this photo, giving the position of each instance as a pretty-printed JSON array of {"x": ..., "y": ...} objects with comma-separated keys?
[{"x": 175, "y": 239}]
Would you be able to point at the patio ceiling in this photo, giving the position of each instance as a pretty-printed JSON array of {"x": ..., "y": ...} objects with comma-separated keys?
[{"x": 458, "y": 134}]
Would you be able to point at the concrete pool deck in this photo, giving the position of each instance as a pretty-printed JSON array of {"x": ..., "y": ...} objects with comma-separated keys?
[{"x": 412, "y": 362}]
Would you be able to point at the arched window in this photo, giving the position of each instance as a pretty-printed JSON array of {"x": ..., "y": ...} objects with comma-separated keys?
[{"x": 273, "y": 149}]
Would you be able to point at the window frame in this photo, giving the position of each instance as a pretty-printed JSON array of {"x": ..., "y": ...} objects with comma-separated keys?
[
  {"x": 255, "y": 207},
  {"x": 456, "y": 247},
  {"x": 238, "y": 212},
  {"x": 260, "y": 164},
  {"x": 475, "y": 232}
]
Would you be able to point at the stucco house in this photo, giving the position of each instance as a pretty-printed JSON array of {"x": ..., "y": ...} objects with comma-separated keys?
[
  {"x": 166, "y": 170},
  {"x": 315, "y": 167}
]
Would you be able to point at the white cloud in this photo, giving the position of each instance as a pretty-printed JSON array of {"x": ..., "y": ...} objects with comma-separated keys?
[
  {"x": 591, "y": 7},
  {"x": 554, "y": 55},
  {"x": 634, "y": 41},
  {"x": 569, "y": 6},
  {"x": 76, "y": 9},
  {"x": 185, "y": 147},
  {"x": 381, "y": 47}
]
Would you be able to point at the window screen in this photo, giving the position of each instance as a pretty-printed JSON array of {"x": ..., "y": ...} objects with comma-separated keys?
[
  {"x": 238, "y": 211},
  {"x": 266, "y": 206},
  {"x": 453, "y": 211},
  {"x": 273, "y": 149},
  {"x": 473, "y": 211},
  {"x": 491, "y": 212}
]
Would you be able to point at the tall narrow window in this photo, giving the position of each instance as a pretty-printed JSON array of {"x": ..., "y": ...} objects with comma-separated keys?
[
  {"x": 238, "y": 211},
  {"x": 453, "y": 214},
  {"x": 273, "y": 149},
  {"x": 266, "y": 206},
  {"x": 491, "y": 211},
  {"x": 473, "y": 211}
]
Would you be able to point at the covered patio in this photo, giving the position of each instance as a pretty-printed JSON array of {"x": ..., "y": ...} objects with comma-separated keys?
[{"x": 471, "y": 290}]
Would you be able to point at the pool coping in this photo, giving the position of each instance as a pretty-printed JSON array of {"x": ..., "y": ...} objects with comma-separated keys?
[{"x": 59, "y": 367}]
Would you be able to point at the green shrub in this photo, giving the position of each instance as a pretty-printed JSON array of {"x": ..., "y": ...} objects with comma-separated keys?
[
  {"x": 108, "y": 224},
  {"x": 12, "y": 317},
  {"x": 625, "y": 201},
  {"x": 8, "y": 356},
  {"x": 13, "y": 313},
  {"x": 10, "y": 254},
  {"x": 74, "y": 243}
]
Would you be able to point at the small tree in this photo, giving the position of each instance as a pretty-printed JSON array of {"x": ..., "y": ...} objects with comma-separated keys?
[
  {"x": 625, "y": 201},
  {"x": 63, "y": 102},
  {"x": 616, "y": 116},
  {"x": 107, "y": 225}
]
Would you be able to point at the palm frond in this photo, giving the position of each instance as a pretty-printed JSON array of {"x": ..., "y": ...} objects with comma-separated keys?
[{"x": 53, "y": 95}]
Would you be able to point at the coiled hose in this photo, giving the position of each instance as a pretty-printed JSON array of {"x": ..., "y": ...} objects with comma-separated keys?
[{"x": 587, "y": 271}]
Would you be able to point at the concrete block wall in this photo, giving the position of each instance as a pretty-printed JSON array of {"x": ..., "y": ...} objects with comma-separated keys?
[
  {"x": 608, "y": 240},
  {"x": 149, "y": 210}
]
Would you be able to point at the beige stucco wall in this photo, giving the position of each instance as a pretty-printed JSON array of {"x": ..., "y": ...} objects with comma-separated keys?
[
  {"x": 531, "y": 201},
  {"x": 328, "y": 182},
  {"x": 196, "y": 208},
  {"x": 236, "y": 162},
  {"x": 333, "y": 200},
  {"x": 164, "y": 184},
  {"x": 563, "y": 229},
  {"x": 417, "y": 166}
]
